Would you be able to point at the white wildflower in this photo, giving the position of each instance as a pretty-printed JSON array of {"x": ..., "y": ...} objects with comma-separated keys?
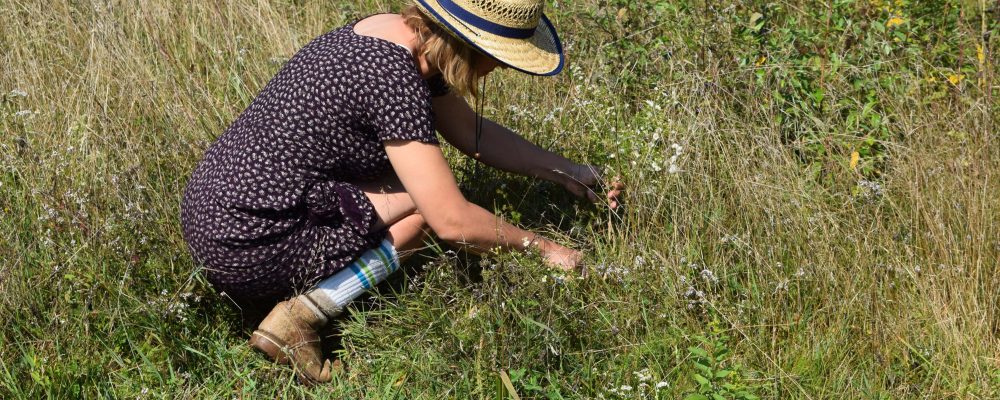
[
  {"x": 673, "y": 168},
  {"x": 642, "y": 375},
  {"x": 870, "y": 190},
  {"x": 18, "y": 93},
  {"x": 709, "y": 276},
  {"x": 661, "y": 385},
  {"x": 639, "y": 261}
]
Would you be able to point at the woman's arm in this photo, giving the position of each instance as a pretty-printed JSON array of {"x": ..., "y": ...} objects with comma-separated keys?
[
  {"x": 426, "y": 176},
  {"x": 501, "y": 148}
]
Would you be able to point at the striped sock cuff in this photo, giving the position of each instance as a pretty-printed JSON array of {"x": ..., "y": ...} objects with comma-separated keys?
[{"x": 334, "y": 293}]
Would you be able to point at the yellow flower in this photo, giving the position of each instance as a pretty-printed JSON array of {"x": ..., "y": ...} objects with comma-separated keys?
[
  {"x": 761, "y": 60},
  {"x": 955, "y": 79},
  {"x": 893, "y": 22},
  {"x": 855, "y": 157}
]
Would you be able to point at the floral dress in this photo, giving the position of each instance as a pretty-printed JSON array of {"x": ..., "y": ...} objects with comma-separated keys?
[{"x": 273, "y": 206}]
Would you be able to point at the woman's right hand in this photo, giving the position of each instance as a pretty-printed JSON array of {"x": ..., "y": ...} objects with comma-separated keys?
[{"x": 561, "y": 257}]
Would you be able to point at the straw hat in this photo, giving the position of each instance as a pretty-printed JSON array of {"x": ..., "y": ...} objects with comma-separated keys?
[{"x": 515, "y": 32}]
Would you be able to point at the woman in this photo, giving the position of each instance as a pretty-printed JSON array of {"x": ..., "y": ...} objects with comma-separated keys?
[{"x": 334, "y": 171}]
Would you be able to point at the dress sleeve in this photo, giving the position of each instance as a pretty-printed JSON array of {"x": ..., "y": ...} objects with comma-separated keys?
[{"x": 398, "y": 104}]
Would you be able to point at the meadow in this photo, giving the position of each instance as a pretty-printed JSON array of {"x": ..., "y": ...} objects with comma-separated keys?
[{"x": 813, "y": 208}]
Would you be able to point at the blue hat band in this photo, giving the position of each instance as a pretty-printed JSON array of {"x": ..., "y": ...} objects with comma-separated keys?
[{"x": 479, "y": 22}]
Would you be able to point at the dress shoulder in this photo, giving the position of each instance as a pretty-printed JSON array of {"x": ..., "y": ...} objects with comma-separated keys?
[{"x": 395, "y": 99}]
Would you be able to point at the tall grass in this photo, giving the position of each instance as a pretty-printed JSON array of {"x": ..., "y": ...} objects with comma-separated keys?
[{"x": 813, "y": 208}]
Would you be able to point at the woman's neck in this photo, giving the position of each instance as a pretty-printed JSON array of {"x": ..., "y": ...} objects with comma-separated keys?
[{"x": 393, "y": 28}]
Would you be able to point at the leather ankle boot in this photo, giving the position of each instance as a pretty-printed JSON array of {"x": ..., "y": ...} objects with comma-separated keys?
[{"x": 289, "y": 335}]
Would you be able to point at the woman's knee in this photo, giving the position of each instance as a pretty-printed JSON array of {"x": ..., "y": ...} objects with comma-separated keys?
[
  {"x": 408, "y": 233},
  {"x": 391, "y": 203}
]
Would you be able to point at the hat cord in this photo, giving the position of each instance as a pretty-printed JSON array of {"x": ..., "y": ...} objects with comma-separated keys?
[
  {"x": 479, "y": 114},
  {"x": 472, "y": 172}
]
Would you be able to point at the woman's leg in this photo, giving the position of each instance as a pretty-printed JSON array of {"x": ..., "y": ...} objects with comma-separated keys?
[
  {"x": 288, "y": 334},
  {"x": 392, "y": 203},
  {"x": 407, "y": 235}
]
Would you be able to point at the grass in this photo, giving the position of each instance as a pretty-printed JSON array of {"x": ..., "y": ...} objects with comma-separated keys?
[{"x": 828, "y": 228}]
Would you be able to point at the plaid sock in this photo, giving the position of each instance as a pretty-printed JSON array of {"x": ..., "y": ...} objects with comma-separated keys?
[{"x": 332, "y": 294}]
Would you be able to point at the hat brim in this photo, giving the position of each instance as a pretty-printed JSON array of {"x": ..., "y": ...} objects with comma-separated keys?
[{"x": 540, "y": 54}]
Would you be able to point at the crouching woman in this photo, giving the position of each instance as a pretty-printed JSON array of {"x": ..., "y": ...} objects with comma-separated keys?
[{"x": 334, "y": 172}]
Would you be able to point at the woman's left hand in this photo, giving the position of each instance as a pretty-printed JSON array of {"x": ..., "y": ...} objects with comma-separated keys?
[{"x": 583, "y": 179}]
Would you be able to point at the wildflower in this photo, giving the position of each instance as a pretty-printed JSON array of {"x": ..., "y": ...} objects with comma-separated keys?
[
  {"x": 894, "y": 21},
  {"x": 642, "y": 375},
  {"x": 870, "y": 190},
  {"x": 673, "y": 168},
  {"x": 709, "y": 276},
  {"x": 800, "y": 273},
  {"x": 625, "y": 388},
  {"x": 955, "y": 79},
  {"x": 24, "y": 113},
  {"x": 639, "y": 261},
  {"x": 18, "y": 93},
  {"x": 695, "y": 297},
  {"x": 661, "y": 385}
]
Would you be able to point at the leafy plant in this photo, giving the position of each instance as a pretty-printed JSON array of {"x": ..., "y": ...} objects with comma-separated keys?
[{"x": 715, "y": 376}]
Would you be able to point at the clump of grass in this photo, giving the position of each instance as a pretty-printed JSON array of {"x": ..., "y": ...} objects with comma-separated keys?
[{"x": 812, "y": 190}]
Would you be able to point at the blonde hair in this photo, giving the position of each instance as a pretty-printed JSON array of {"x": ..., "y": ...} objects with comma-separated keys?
[{"x": 449, "y": 54}]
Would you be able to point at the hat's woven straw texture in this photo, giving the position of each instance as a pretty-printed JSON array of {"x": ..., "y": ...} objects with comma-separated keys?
[{"x": 521, "y": 36}]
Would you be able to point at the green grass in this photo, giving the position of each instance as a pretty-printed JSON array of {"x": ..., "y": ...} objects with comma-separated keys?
[{"x": 765, "y": 262}]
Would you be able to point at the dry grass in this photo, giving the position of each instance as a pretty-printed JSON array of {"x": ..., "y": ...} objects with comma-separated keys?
[{"x": 823, "y": 278}]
